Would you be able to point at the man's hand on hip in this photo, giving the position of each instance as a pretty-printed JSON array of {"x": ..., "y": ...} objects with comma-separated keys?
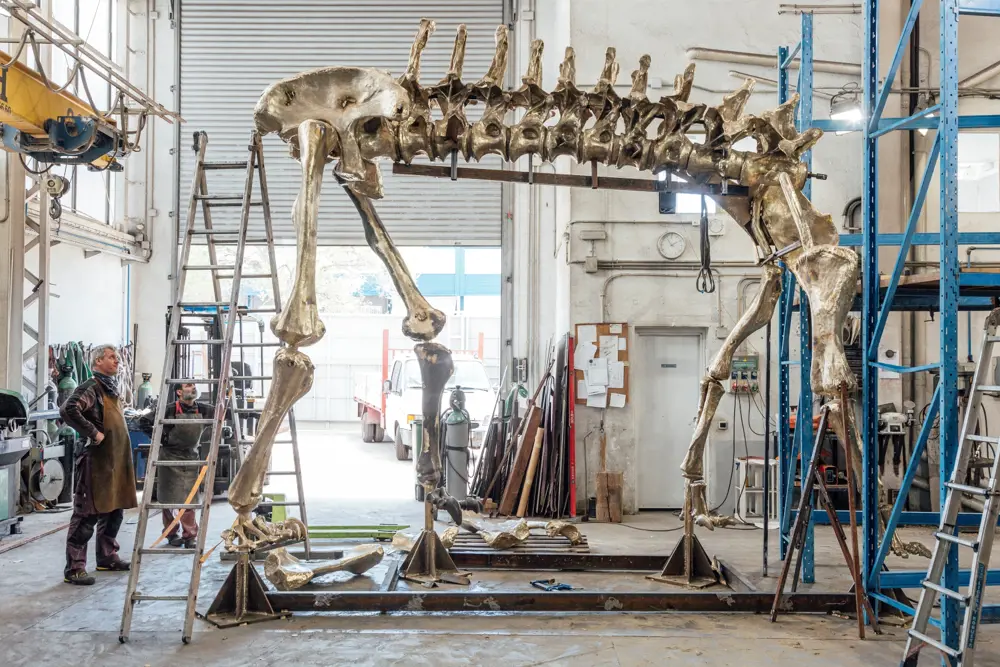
[{"x": 99, "y": 438}]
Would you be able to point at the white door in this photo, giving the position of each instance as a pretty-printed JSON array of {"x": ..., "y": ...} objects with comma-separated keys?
[{"x": 671, "y": 369}]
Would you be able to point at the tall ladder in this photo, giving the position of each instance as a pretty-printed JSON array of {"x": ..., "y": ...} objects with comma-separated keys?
[
  {"x": 946, "y": 535},
  {"x": 228, "y": 309}
]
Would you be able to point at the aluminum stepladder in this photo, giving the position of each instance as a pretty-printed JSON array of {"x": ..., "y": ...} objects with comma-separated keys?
[
  {"x": 946, "y": 536},
  {"x": 228, "y": 309}
]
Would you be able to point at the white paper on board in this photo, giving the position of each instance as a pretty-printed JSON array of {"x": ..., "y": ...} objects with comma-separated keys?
[
  {"x": 581, "y": 388},
  {"x": 616, "y": 375},
  {"x": 586, "y": 333},
  {"x": 596, "y": 389},
  {"x": 615, "y": 329},
  {"x": 597, "y": 400},
  {"x": 618, "y": 400},
  {"x": 623, "y": 343},
  {"x": 609, "y": 347},
  {"x": 583, "y": 353},
  {"x": 596, "y": 371}
]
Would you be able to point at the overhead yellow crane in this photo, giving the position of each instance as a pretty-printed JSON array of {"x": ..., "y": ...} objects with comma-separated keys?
[{"x": 54, "y": 126}]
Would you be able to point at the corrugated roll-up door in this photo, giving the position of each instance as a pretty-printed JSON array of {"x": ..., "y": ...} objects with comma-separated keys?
[{"x": 231, "y": 50}]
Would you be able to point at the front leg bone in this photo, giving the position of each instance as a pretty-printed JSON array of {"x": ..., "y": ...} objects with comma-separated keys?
[
  {"x": 422, "y": 321},
  {"x": 756, "y": 316},
  {"x": 299, "y": 324},
  {"x": 293, "y": 377}
]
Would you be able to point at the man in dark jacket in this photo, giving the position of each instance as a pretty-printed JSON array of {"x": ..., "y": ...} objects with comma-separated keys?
[
  {"x": 104, "y": 477},
  {"x": 180, "y": 442}
]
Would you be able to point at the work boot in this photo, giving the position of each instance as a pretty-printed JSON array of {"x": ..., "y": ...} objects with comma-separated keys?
[
  {"x": 191, "y": 543},
  {"x": 80, "y": 578},
  {"x": 175, "y": 541},
  {"x": 116, "y": 565}
]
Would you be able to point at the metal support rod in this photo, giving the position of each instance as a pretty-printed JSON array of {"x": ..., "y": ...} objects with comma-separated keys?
[
  {"x": 897, "y": 58},
  {"x": 767, "y": 442},
  {"x": 904, "y": 248},
  {"x": 870, "y": 296},
  {"x": 948, "y": 425},
  {"x": 804, "y": 420},
  {"x": 784, "y": 370}
]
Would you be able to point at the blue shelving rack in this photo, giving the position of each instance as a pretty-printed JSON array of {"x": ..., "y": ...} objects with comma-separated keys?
[{"x": 953, "y": 294}]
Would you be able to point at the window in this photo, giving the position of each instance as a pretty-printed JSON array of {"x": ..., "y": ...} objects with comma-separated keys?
[
  {"x": 468, "y": 374},
  {"x": 978, "y": 177},
  {"x": 396, "y": 368},
  {"x": 91, "y": 193}
]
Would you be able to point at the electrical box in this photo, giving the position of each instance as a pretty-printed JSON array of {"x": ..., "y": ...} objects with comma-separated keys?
[{"x": 745, "y": 374}]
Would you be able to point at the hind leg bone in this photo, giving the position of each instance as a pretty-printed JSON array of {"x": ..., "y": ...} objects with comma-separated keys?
[
  {"x": 297, "y": 325},
  {"x": 693, "y": 467}
]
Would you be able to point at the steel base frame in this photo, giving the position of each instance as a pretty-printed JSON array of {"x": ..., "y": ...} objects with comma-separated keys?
[
  {"x": 740, "y": 597},
  {"x": 557, "y": 601},
  {"x": 954, "y": 292}
]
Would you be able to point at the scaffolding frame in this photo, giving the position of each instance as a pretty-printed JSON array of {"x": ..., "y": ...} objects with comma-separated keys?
[{"x": 953, "y": 295}]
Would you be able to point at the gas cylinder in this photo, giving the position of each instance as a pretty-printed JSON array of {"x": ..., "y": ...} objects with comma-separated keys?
[{"x": 144, "y": 392}]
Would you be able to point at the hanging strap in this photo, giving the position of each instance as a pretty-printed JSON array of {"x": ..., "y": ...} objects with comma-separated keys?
[{"x": 705, "y": 282}]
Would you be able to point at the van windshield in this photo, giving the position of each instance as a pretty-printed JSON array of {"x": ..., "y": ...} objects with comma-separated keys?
[{"x": 469, "y": 374}]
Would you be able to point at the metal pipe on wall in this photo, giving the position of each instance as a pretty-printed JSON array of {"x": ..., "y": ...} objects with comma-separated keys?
[{"x": 765, "y": 60}]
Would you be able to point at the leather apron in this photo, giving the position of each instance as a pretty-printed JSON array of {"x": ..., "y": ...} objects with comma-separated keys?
[
  {"x": 112, "y": 477},
  {"x": 173, "y": 484}
]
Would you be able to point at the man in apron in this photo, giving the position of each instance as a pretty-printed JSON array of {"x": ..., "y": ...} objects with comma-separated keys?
[
  {"x": 180, "y": 442},
  {"x": 104, "y": 478}
]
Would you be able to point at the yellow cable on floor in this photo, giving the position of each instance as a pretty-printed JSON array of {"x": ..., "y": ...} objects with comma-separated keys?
[{"x": 180, "y": 513}]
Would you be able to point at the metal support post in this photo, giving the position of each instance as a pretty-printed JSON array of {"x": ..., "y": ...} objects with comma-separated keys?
[
  {"x": 804, "y": 420},
  {"x": 784, "y": 377},
  {"x": 870, "y": 294},
  {"x": 948, "y": 137}
]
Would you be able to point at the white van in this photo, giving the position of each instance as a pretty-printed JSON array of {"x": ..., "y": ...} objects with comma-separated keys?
[{"x": 404, "y": 396}]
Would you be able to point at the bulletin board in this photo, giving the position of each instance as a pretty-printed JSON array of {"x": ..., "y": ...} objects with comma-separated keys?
[{"x": 616, "y": 364}]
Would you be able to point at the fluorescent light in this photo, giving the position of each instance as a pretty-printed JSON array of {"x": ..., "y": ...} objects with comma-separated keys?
[{"x": 851, "y": 113}]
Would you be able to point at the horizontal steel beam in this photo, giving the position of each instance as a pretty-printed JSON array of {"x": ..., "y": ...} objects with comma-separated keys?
[
  {"x": 542, "y": 601},
  {"x": 980, "y": 122},
  {"x": 556, "y": 561},
  {"x": 965, "y": 519},
  {"x": 926, "y": 302},
  {"x": 925, "y": 238},
  {"x": 915, "y": 578},
  {"x": 599, "y": 183}
]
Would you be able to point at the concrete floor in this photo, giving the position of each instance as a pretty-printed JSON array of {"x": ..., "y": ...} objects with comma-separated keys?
[{"x": 44, "y": 621}]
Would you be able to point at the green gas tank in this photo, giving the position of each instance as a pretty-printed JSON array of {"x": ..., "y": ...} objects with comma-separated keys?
[{"x": 144, "y": 392}]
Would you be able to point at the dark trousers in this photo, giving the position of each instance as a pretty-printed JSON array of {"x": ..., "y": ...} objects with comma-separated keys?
[
  {"x": 84, "y": 521},
  {"x": 189, "y": 527},
  {"x": 81, "y": 529}
]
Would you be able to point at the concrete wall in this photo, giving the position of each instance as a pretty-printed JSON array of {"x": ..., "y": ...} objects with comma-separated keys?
[
  {"x": 92, "y": 301},
  {"x": 662, "y": 293}
]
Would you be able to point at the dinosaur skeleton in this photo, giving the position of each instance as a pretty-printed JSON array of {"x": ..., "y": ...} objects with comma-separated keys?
[{"x": 355, "y": 116}]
